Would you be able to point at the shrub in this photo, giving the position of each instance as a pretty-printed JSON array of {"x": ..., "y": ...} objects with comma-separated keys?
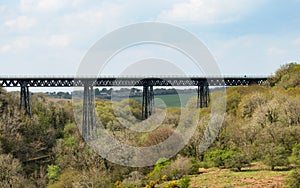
[
  {"x": 295, "y": 157},
  {"x": 134, "y": 178},
  {"x": 151, "y": 184},
  {"x": 70, "y": 141},
  {"x": 250, "y": 102},
  {"x": 171, "y": 170},
  {"x": 66, "y": 179},
  {"x": 184, "y": 182},
  {"x": 11, "y": 174},
  {"x": 178, "y": 168},
  {"x": 274, "y": 155},
  {"x": 92, "y": 178},
  {"x": 158, "y": 135},
  {"x": 217, "y": 158},
  {"x": 287, "y": 76},
  {"x": 172, "y": 184},
  {"x": 53, "y": 173},
  {"x": 128, "y": 185},
  {"x": 195, "y": 167},
  {"x": 293, "y": 179},
  {"x": 160, "y": 164},
  {"x": 164, "y": 178},
  {"x": 237, "y": 160}
]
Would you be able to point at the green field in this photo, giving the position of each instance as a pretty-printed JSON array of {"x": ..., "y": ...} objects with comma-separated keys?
[
  {"x": 247, "y": 178},
  {"x": 169, "y": 100},
  {"x": 256, "y": 175}
]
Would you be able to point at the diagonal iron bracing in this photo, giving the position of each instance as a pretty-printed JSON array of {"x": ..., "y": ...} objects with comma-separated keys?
[{"x": 129, "y": 81}]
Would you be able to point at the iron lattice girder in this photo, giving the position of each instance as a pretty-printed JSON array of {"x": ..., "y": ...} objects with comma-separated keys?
[{"x": 172, "y": 81}]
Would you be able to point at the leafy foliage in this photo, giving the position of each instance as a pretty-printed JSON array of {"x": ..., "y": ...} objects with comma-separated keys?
[
  {"x": 237, "y": 160},
  {"x": 53, "y": 173},
  {"x": 262, "y": 124},
  {"x": 184, "y": 182},
  {"x": 217, "y": 158},
  {"x": 274, "y": 155},
  {"x": 288, "y": 76},
  {"x": 293, "y": 179},
  {"x": 295, "y": 157},
  {"x": 160, "y": 164},
  {"x": 11, "y": 173}
]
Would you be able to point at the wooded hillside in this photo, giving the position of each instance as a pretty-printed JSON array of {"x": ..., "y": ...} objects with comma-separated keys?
[{"x": 262, "y": 124}]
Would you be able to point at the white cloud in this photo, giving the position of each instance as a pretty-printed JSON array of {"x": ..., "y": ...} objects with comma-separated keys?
[
  {"x": 4, "y": 48},
  {"x": 86, "y": 17},
  {"x": 20, "y": 23},
  {"x": 253, "y": 54},
  {"x": 58, "y": 40},
  {"x": 2, "y": 8},
  {"x": 99, "y": 20},
  {"x": 41, "y": 5},
  {"x": 275, "y": 51},
  {"x": 208, "y": 11},
  {"x": 297, "y": 41},
  {"x": 16, "y": 45},
  {"x": 49, "y": 6}
]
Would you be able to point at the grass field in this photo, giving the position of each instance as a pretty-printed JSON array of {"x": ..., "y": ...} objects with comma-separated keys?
[
  {"x": 256, "y": 176},
  {"x": 170, "y": 100},
  {"x": 250, "y": 178}
]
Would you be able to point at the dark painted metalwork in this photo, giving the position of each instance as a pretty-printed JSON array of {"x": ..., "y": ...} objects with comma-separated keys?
[
  {"x": 203, "y": 96},
  {"x": 151, "y": 102},
  {"x": 25, "y": 98},
  {"x": 131, "y": 81},
  {"x": 148, "y": 101}
]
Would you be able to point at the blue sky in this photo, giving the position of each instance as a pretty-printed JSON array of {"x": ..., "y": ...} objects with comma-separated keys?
[{"x": 51, "y": 37}]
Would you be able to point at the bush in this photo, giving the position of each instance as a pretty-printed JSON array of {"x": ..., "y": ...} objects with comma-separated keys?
[
  {"x": 295, "y": 157},
  {"x": 250, "y": 102},
  {"x": 128, "y": 185},
  {"x": 184, "y": 182},
  {"x": 274, "y": 155},
  {"x": 171, "y": 170},
  {"x": 11, "y": 174},
  {"x": 217, "y": 158},
  {"x": 53, "y": 173},
  {"x": 172, "y": 184},
  {"x": 237, "y": 160},
  {"x": 196, "y": 164},
  {"x": 93, "y": 178},
  {"x": 293, "y": 179},
  {"x": 134, "y": 178},
  {"x": 158, "y": 135},
  {"x": 178, "y": 168},
  {"x": 160, "y": 164},
  {"x": 287, "y": 76},
  {"x": 66, "y": 179}
]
